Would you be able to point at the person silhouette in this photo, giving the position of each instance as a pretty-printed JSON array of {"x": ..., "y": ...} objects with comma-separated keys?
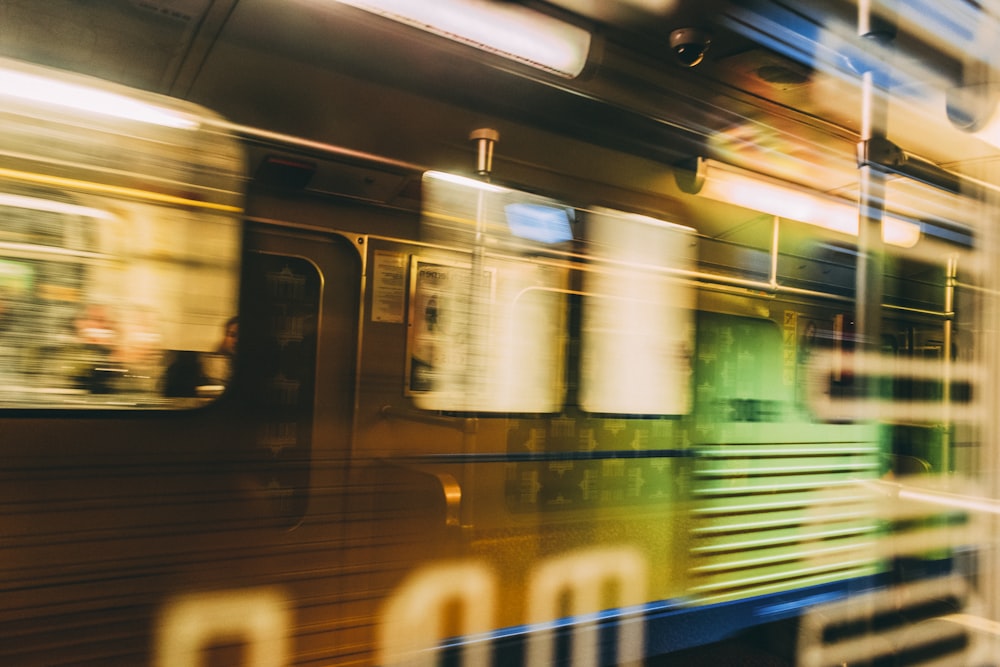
[{"x": 194, "y": 374}]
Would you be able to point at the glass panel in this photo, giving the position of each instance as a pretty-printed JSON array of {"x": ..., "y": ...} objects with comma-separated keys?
[
  {"x": 487, "y": 321},
  {"x": 119, "y": 247},
  {"x": 638, "y": 331}
]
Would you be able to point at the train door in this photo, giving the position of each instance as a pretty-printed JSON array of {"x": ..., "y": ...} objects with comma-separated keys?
[{"x": 299, "y": 315}]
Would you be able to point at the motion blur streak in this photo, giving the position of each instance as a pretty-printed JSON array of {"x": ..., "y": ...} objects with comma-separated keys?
[{"x": 331, "y": 337}]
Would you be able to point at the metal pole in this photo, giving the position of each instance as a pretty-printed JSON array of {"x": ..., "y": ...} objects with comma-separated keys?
[
  {"x": 871, "y": 194},
  {"x": 478, "y": 307}
]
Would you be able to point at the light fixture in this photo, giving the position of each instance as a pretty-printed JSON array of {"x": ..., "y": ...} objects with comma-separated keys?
[
  {"x": 464, "y": 181},
  {"x": 506, "y": 29},
  {"x": 49, "y": 88},
  {"x": 725, "y": 183},
  {"x": 973, "y": 110}
]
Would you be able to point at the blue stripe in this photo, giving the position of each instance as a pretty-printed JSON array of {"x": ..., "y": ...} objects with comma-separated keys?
[
  {"x": 520, "y": 457},
  {"x": 671, "y": 625}
]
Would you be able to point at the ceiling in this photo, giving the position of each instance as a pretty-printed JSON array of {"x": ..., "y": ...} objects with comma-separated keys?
[{"x": 775, "y": 91}]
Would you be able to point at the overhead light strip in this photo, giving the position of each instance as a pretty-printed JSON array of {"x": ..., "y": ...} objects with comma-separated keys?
[
  {"x": 731, "y": 185},
  {"x": 506, "y": 29},
  {"x": 50, "y": 90}
]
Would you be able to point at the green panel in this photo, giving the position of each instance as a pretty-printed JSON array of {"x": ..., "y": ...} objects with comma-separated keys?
[{"x": 738, "y": 370}]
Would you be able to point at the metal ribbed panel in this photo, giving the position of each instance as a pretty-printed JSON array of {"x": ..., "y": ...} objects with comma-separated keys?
[{"x": 777, "y": 507}]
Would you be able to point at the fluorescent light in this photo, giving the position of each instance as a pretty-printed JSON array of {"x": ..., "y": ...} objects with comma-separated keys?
[
  {"x": 900, "y": 233},
  {"x": 43, "y": 89},
  {"x": 732, "y": 185},
  {"x": 507, "y": 29},
  {"x": 971, "y": 109},
  {"x": 464, "y": 181}
]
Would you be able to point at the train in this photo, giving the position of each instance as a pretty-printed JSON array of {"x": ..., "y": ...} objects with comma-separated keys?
[{"x": 331, "y": 336}]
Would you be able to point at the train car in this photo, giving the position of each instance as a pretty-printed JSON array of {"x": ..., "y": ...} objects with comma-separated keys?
[{"x": 332, "y": 334}]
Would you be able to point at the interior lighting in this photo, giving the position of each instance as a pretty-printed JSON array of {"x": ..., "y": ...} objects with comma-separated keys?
[
  {"x": 465, "y": 181},
  {"x": 52, "y": 206},
  {"x": 731, "y": 185},
  {"x": 34, "y": 87},
  {"x": 506, "y": 29}
]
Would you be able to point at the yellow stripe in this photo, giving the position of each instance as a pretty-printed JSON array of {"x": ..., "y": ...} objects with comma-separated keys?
[
  {"x": 117, "y": 190},
  {"x": 451, "y": 218}
]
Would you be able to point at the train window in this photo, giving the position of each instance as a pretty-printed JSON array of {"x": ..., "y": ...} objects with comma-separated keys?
[
  {"x": 487, "y": 322},
  {"x": 102, "y": 303},
  {"x": 119, "y": 248},
  {"x": 486, "y": 216},
  {"x": 637, "y": 333},
  {"x": 738, "y": 363}
]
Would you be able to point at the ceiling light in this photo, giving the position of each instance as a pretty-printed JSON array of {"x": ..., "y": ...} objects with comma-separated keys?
[
  {"x": 47, "y": 88},
  {"x": 731, "y": 185},
  {"x": 506, "y": 29},
  {"x": 973, "y": 110},
  {"x": 464, "y": 181}
]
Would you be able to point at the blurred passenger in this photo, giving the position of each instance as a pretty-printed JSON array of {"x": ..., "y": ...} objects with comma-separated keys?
[
  {"x": 9, "y": 352},
  {"x": 93, "y": 355},
  {"x": 806, "y": 348},
  {"x": 218, "y": 366},
  {"x": 95, "y": 328},
  {"x": 141, "y": 339},
  {"x": 183, "y": 376},
  {"x": 192, "y": 374},
  {"x": 808, "y": 342},
  {"x": 141, "y": 350}
]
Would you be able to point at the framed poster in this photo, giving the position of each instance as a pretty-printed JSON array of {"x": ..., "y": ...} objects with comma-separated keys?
[{"x": 448, "y": 335}]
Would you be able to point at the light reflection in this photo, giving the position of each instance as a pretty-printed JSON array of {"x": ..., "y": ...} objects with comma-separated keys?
[
  {"x": 464, "y": 181},
  {"x": 52, "y": 206},
  {"x": 37, "y": 89},
  {"x": 725, "y": 183},
  {"x": 189, "y": 623}
]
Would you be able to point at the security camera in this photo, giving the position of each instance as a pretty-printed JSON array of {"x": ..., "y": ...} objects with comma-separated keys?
[{"x": 689, "y": 45}]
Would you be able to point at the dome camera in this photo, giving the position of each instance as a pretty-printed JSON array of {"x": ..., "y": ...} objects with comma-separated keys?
[{"x": 689, "y": 45}]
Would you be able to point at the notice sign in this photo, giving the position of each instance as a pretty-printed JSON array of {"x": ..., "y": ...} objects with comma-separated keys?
[
  {"x": 445, "y": 333},
  {"x": 388, "y": 287}
]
